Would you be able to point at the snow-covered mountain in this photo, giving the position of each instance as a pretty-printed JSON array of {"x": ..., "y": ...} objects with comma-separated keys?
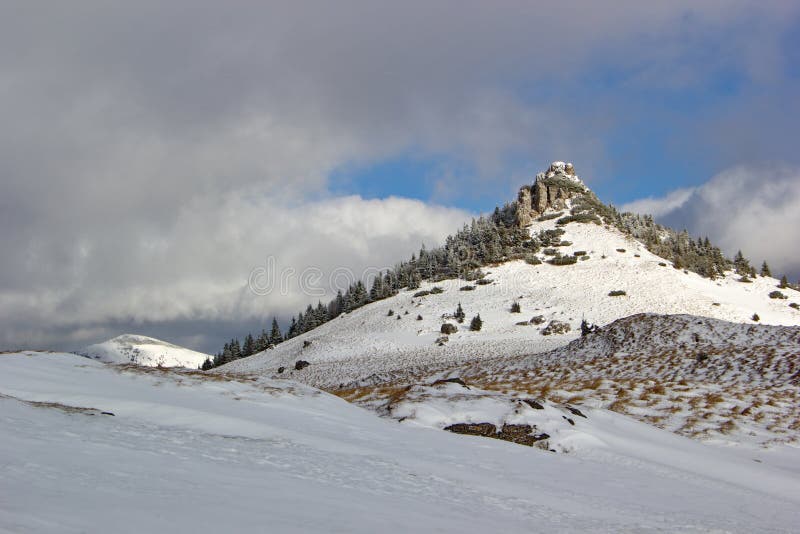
[
  {"x": 711, "y": 357},
  {"x": 143, "y": 350},
  {"x": 88, "y": 447},
  {"x": 401, "y": 332}
]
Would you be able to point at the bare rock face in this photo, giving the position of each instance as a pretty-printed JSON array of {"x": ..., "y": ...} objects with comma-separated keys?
[{"x": 550, "y": 190}]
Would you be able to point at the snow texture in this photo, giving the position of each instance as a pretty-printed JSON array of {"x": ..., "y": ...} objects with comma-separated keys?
[{"x": 188, "y": 452}]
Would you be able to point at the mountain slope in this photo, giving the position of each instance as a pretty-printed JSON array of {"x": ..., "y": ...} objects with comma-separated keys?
[
  {"x": 143, "y": 350},
  {"x": 370, "y": 341},
  {"x": 277, "y": 453}
]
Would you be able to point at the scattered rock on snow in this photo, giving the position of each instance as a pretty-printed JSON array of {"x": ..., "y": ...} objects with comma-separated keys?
[{"x": 300, "y": 364}]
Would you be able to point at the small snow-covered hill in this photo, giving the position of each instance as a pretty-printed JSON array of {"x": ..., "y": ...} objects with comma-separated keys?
[
  {"x": 143, "y": 350},
  {"x": 401, "y": 332},
  {"x": 88, "y": 447}
]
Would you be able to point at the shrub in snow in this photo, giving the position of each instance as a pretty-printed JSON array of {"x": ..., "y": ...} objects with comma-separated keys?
[
  {"x": 794, "y": 305},
  {"x": 532, "y": 260},
  {"x": 565, "y": 244},
  {"x": 448, "y": 328},
  {"x": 441, "y": 340},
  {"x": 556, "y": 327},
  {"x": 549, "y": 252},
  {"x": 484, "y": 281},
  {"x": 755, "y": 317},
  {"x": 459, "y": 315},
  {"x": 466, "y": 288},
  {"x": 422, "y": 293},
  {"x": 516, "y": 308},
  {"x": 436, "y": 290},
  {"x": 662, "y": 264},
  {"x": 476, "y": 324},
  {"x": 391, "y": 312},
  {"x": 620, "y": 250},
  {"x": 300, "y": 364},
  {"x": 616, "y": 293},
  {"x": 579, "y": 253},
  {"x": 550, "y": 216},
  {"x": 579, "y": 218},
  {"x": 784, "y": 282},
  {"x": 563, "y": 260},
  {"x": 745, "y": 279},
  {"x": 419, "y": 317},
  {"x": 523, "y": 323},
  {"x": 777, "y": 295}
]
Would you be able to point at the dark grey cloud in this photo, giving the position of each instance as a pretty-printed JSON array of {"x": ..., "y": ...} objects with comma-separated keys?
[{"x": 151, "y": 152}]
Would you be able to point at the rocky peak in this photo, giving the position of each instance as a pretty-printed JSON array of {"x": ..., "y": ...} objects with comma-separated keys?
[{"x": 550, "y": 190}]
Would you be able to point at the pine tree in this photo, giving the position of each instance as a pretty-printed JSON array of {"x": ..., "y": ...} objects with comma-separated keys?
[
  {"x": 784, "y": 282},
  {"x": 208, "y": 364},
  {"x": 459, "y": 315},
  {"x": 249, "y": 346},
  {"x": 476, "y": 324},
  {"x": 515, "y": 307},
  {"x": 765, "y": 269},
  {"x": 275, "y": 335}
]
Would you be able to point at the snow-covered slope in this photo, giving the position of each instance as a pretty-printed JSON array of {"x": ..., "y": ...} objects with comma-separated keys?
[
  {"x": 191, "y": 452},
  {"x": 143, "y": 350},
  {"x": 371, "y": 341}
]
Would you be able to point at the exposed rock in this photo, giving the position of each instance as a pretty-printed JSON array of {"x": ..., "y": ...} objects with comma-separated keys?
[
  {"x": 556, "y": 327},
  {"x": 520, "y": 434},
  {"x": 300, "y": 364},
  {"x": 477, "y": 429},
  {"x": 550, "y": 190},
  {"x": 454, "y": 380},
  {"x": 441, "y": 340},
  {"x": 281, "y": 370},
  {"x": 575, "y": 411},
  {"x": 536, "y": 405}
]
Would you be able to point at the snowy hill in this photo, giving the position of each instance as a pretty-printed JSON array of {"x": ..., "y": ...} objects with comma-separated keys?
[
  {"x": 143, "y": 350},
  {"x": 386, "y": 335},
  {"x": 133, "y": 449}
]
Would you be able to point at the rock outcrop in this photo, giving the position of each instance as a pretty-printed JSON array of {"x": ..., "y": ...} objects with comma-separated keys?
[{"x": 550, "y": 190}]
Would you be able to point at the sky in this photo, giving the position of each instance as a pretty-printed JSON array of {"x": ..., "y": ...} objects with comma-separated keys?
[{"x": 154, "y": 156}]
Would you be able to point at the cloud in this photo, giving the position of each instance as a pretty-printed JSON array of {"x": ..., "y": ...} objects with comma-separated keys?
[
  {"x": 660, "y": 206},
  {"x": 152, "y": 153},
  {"x": 753, "y": 209},
  {"x": 197, "y": 268}
]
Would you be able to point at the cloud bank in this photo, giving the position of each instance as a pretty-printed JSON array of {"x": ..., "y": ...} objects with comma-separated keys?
[
  {"x": 753, "y": 209},
  {"x": 152, "y": 153}
]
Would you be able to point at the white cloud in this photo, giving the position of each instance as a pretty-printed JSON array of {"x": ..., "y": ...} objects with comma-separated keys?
[
  {"x": 660, "y": 206},
  {"x": 755, "y": 209},
  {"x": 197, "y": 267}
]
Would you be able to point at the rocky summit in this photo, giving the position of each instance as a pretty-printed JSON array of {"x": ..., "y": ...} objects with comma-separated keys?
[{"x": 550, "y": 190}]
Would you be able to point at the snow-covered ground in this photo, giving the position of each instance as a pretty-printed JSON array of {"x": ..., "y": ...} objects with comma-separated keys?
[
  {"x": 143, "y": 350},
  {"x": 193, "y": 452},
  {"x": 370, "y": 341}
]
